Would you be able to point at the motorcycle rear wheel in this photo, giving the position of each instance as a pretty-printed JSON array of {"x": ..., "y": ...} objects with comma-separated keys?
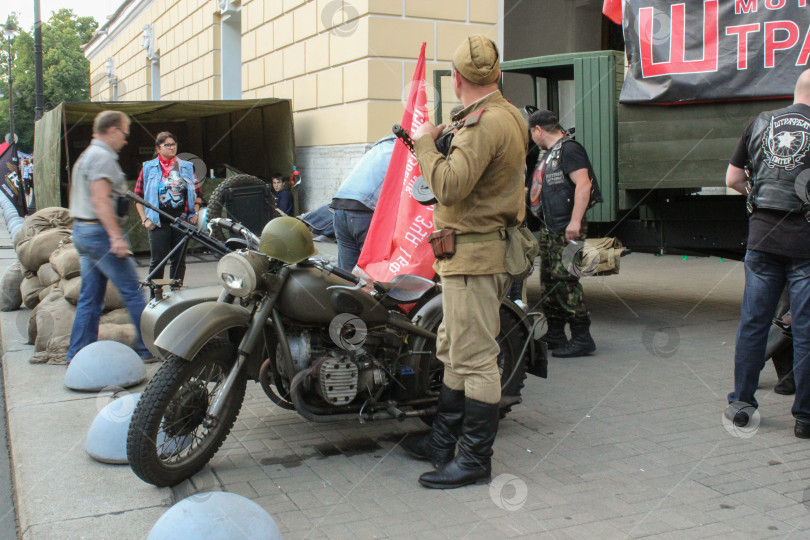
[
  {"x": 511, "y": 338},
  {"x": 167, "y": 441}
]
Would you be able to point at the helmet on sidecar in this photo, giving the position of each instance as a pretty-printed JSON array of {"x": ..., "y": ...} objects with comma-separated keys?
[{"x": 287, "y": 239}]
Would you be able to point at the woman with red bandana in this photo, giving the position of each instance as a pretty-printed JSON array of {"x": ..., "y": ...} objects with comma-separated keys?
[{"x": 169, "y": 184}]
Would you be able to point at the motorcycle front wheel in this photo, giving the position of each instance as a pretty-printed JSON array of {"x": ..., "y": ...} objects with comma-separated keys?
[{"x": 168, "y": 441}]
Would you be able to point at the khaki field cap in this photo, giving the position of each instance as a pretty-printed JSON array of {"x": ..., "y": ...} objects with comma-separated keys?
[{"x": 478, "y": 60}]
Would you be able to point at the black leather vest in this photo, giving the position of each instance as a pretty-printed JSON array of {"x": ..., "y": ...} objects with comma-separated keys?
[
  {"x": 778, "y": 149},
  {"x": 557, "y": 194}
]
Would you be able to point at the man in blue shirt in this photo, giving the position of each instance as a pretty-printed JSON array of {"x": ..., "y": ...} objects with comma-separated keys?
[{"x": 356, "y": 199}]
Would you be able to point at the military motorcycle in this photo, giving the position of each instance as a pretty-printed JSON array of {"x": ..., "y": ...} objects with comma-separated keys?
[{"x": 319, "y": 341}]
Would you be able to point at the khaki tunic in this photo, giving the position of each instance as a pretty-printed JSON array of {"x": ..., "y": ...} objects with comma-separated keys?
[{"x": 479, "y": 185}]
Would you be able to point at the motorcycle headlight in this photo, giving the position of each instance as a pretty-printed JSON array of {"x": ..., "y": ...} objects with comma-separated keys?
[
  {"x": 241, "y": 272},
  {"x": 202, "y": 218}
]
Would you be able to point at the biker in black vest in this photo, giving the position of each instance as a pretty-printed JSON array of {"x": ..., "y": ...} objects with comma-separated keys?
[
  {"x": 560, "y": 191},
  {"x": 775, "y": 148}
]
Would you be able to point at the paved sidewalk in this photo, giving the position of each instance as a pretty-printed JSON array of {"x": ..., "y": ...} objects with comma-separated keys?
[{"x": 627, "y": 443}]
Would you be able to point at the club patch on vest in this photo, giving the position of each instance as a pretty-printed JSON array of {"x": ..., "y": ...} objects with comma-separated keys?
[{"x": 786, "y": 141}]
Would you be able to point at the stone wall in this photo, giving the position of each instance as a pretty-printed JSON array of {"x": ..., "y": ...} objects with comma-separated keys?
[{"x": 323, "y": 168}]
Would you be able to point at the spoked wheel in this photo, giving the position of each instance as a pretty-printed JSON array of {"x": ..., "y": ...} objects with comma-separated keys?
[
  {"x": 168, "y": 440},
  {"x": 510, "y": 342},
  {"x": 216, "y": 202}
]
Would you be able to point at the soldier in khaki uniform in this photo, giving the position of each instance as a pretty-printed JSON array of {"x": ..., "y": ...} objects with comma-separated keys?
[{"x": 479, "y": 189}]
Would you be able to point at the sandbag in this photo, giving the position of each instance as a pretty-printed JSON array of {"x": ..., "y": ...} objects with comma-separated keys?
[
  {"x": 55, "y": 351},
  {"x": 30, "y": 288},
  {"x": 122, "y": 333},
  {"x": 32, "y": 326},
  {"x": 72, "y": 288},
  {"x": 35, "y": 251},
  {"x": 117, "y": 316},
  {"x": 19, "y": 236},
  {"x": 10, "y": 295},
  {"x": 47, "y": 275},
  {"x": 46, "y": 291},
  {"x": 54, "y": 319},
  {"x": 54, "y": 217},
  {"x": 65, "y": 260}
]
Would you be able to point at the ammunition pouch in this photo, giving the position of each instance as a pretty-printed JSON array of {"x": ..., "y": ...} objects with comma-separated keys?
[{"x": 443, "y": 243}]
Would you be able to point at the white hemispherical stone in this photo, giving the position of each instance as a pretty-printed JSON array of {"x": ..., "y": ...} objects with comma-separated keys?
[
  {"x": 107, "y": 437},
  {"x": 102, "y": 364},
  {"x": 216, "y": 516}
]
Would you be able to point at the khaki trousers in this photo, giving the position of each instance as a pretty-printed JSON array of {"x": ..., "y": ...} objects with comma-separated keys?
[{"x": 466, "y": 341}]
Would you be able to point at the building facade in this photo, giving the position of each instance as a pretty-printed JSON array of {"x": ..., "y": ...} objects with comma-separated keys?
[{"x": 345, "y": 64}]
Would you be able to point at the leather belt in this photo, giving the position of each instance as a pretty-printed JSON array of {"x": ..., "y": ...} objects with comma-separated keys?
[
  {"x": 86, "y": 220},
  {"x": 500, "y": 234}
]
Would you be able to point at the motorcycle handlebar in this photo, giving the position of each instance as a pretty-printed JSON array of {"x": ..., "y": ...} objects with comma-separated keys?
[
  {"x": 345, "y": 274},
  {"x": 236, "y": 228}
]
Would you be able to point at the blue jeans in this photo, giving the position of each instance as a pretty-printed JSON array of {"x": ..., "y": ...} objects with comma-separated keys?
[
  {"x": 350, "y": 230},
  {"x": 97, "y": 266},
  {"x": 765, "y": 278}
]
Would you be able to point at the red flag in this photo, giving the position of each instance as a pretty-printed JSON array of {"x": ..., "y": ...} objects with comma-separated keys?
[
  {"x": 613, "y": 10},
  {"x": 396, "y": 242}
]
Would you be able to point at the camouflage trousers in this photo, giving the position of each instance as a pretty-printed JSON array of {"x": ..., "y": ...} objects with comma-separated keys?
[{"x": 562, "y": 294}]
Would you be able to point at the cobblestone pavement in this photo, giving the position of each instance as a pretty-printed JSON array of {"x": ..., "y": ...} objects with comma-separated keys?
[{"x": 627, "y": 443}]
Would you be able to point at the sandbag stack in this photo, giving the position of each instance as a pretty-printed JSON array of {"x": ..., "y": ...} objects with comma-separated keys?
[{"x": 47, "y": 280}]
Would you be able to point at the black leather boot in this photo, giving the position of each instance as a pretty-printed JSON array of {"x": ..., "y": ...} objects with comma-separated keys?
[
  {"x": 581, "y": 343},
  {"x": 783, "y": 362},
  {"x": 473, "y": 464},
  {"x": 555, "y": 336},
  {"x": 439, "y": 446}
]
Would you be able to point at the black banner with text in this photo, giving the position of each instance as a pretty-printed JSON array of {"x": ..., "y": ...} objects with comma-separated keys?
[{"x": 714, "y": 50}]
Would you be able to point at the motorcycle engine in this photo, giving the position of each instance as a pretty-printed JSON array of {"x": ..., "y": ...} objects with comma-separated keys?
[
  {"x": 337, "y": 380},
  {"x": 340, "y": 375}
]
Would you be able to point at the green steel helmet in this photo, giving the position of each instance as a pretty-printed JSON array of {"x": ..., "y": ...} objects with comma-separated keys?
[{"x": 287, "y": 239}]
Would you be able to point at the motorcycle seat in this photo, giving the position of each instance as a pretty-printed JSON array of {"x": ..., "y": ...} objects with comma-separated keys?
[{"x": 405, "y": 288}]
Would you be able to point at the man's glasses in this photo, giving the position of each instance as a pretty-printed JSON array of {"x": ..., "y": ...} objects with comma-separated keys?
[{"x": 168, "y": 145}]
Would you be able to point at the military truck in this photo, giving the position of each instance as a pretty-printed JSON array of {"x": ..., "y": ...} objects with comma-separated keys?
[{"x": 661, "y": 166}]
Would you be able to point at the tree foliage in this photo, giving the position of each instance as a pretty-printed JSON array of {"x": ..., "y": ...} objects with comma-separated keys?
[{"x": 65, "y": 71}]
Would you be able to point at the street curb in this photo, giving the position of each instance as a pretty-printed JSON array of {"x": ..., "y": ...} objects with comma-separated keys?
[{"x": 59, "y": 491}]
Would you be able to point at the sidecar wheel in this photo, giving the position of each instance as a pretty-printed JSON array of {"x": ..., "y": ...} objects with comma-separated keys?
[{"x": 167, "y": 440}]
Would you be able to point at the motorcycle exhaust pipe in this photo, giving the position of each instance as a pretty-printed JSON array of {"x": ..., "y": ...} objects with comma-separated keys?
[
  {"x": 391, "y": 411},
  {"x": 396, "y": 413}
]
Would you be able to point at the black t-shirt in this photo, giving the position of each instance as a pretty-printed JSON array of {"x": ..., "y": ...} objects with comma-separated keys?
[
  {"x": 573, "y": 158},
  {"x": 772, "y": 231},
  {"x": 740, "y": 156}
]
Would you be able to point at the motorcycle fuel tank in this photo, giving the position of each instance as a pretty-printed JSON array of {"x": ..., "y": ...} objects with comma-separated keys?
[{"x": 306, "y": 298}]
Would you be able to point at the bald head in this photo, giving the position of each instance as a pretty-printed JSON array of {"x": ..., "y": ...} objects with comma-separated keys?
[{"x": 802, "y": 92}]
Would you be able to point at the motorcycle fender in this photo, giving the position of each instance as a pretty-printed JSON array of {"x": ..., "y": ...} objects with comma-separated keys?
[
  {"x": 430, "y": 315},
  {"x": 159, "y": 313},
  {"x": 186, "y": 335}
]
